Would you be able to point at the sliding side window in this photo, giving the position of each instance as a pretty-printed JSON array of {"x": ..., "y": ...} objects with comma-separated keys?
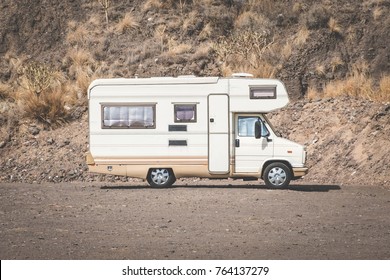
[
  {"x": 129, "y": 116},
  {"x": 185, "y": 113}
]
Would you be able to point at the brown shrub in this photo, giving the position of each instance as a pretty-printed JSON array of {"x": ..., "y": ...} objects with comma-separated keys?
[
  {"x": 383, "y": 93},
  {"x": 47, "y": 107},
  {"x": 42, "y": 95},
  {"x": 5, "y": 91},
  {"x": 246, "y": 51},
  {"x": 77, "y": 35},
  {"x": 357, "y": 84},
  {"x": 334, "y": 26},
  {"x": 317, "y": 17},
  {"x": 301, "y": 36},
  {"x": 127, "y": 23}
]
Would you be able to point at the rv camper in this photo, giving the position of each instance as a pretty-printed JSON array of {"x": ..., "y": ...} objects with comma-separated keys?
[{"x": 161, "y": 129}]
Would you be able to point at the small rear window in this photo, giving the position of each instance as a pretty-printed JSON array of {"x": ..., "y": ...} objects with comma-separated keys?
[
  {"x": 263, "y": 92},
  {"x": 185, "y": 112}
]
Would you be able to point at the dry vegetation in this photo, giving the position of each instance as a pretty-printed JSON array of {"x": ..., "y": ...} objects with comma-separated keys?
[
  {"x": 357, "y": 84},
  {"x": 266, "y": 38}
]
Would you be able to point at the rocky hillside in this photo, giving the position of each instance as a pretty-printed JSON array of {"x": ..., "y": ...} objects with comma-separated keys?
[
  {"x": 333, "y": 56},
  {"x": 305, "y": 43}
]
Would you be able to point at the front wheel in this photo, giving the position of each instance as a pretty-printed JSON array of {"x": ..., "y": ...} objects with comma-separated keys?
[
  {"x": 160, "y": 177},
  {"x": 277, "y": 175}
]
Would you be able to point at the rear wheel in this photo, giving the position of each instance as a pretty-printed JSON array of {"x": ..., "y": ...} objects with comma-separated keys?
[
  {"x": 277, "y": 175},
  {"x": 160, "y": 177}
]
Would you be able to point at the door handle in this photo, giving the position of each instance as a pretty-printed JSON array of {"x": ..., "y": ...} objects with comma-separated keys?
[{"x": 237, "y": 143}]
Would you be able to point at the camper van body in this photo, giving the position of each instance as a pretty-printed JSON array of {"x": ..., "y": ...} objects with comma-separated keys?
[{"x": 160, "y": 129}]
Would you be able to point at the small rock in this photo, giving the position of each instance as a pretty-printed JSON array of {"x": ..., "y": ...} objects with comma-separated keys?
[
  {"x": 2, "y": 144},
  {"x": 34, "y": 130}
]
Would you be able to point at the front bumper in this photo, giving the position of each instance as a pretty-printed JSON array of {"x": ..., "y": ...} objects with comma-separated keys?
[{"x": 300, "y": 171}]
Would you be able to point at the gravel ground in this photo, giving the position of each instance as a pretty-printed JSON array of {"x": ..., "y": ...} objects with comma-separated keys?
[{"x": 195, "y": 219}]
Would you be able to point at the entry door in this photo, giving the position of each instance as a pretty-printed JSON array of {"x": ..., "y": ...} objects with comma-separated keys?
[
  {"x": 250, "y": 153},
  {"x": 218, "y": 130}
]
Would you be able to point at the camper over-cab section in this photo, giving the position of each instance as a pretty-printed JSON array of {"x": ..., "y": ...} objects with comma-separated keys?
[{"x": 161, "y": 129}]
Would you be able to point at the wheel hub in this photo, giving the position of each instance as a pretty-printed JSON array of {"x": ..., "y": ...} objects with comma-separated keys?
[{"x": 277, "y": 176}]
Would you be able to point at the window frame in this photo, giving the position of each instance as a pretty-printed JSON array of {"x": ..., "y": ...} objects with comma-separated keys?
[
  {"x": 272, "y": 88},
  {"x": 126, "y": 104},
  {"x": 176, "y": 120}
]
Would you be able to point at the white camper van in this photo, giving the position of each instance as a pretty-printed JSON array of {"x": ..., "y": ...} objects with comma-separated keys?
[{"x": 161, "y": 129}]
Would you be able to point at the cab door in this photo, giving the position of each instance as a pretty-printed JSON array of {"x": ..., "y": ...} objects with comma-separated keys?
[{"x": 250, "y": 153}]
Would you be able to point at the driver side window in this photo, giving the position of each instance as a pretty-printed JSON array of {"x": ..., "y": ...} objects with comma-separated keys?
[{"x": 246, "y": 126}]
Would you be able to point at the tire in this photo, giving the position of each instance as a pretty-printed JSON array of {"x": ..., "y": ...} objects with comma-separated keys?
[
  {"x": 277, "y": 175},
  {"x": 160, "y": 177}
]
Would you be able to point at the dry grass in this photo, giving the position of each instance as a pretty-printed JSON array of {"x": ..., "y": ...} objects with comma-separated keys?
[
  {"x": 286, "y": 50},
  {"x": 320, "y": 69},
  {"x": 175, "y": 48},
  {"x": 246, "y": 52},
  {"x": 152, "y": 4},
  {"x": 334, "y": 26},
  {"x": 265, "y": 70},
  {"x": 79, "y": 62},
  {"x": 202, "y": 52},
  {"x": 377, "y": 13},
  {"x": 83, "y": 79},
  {"x": 301, "y": 36},
  {"x": 77, "y": 34},
  {"x": 250, "y": 20},
  {"x": 14, "y": 64},
  {"x": 94, "y": 21},
  {"x": 299, "y": 7},
  {"x": 79, "y": 57},
  {"x": 48, "y": 107},
  {"x": 351, "y": 35},
  {"x": 335, "y": 63},
  {"x": 206, "y": 32},
  {"x": 317, "y": 16},
  {"x": 264, "y": 6},
  {"x": 313, "y": 93},
  {"x": 383, "y": 93},
  {"x": 5, "y": 91},
  {"x": 190, "y": 20},
  {"x": 127, "y": 23},
  {"x": 357, "y": 84},
  {"x": 161, "y": 35},
  {"x": 42, "y": 94}
]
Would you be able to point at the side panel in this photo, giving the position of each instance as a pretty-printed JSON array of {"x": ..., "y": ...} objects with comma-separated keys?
[{"x": 218, "y": 128}]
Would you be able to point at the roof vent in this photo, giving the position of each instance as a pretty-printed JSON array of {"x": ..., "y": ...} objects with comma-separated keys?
[{"x": 242, "y": 75}]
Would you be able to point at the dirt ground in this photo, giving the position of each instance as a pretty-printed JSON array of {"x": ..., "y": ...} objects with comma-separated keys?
[{"x": 195, "y": 219}]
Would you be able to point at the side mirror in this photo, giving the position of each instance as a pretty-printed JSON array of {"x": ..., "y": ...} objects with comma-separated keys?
[
  {"x": 258, "y": 129},
  {"x": 261, "y": 130}
]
